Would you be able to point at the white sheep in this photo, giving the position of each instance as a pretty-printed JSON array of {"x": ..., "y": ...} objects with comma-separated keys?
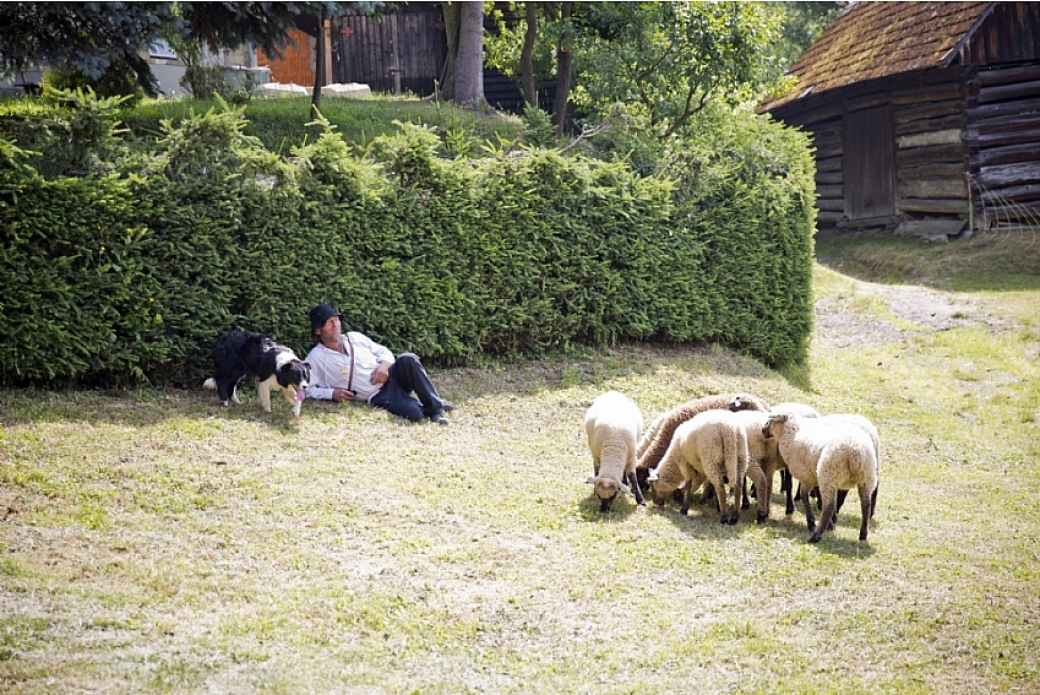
[
  {"x": 791, "y": 408},
  {"x": 830, "y": 454},
  {"x": 711, "y": 447},
  {"x": 614, "y": 425}
]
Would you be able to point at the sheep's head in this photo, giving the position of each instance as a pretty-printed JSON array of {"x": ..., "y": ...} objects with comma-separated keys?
[
  {"x": 661, "y": 488},
  {"x": 744, "y": 402},
  {"x": 774, "y": 423},
  {"x": 607, "y": 490}
]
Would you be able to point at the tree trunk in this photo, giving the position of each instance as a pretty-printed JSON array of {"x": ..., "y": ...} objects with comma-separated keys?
[
  {"x": 469, "y": 66},
  {"x": 319, "y": 63},
  {"x": 527, "y": 55},
  {"x": 563, "y": 72},
  {"x": 452, "y": 19}
]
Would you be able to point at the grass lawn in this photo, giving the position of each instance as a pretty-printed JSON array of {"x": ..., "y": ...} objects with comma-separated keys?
[{"x": 153, "y": 541}]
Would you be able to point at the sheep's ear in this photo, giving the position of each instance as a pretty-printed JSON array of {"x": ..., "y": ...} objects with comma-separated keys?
[
  {"x": 652, "y": 477},
  {"x": 591, "y": 480},
  {"x": 627, "y": 490},
  {"x": 681, "y": 485}
]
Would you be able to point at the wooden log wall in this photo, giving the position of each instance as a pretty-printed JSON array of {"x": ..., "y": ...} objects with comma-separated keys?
[
  {"x": 931, "y": 155},
  {"x": 1003, "y": 129}
]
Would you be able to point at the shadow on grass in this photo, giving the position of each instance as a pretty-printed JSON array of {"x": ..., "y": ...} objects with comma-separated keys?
[
  {"x": 991, "y": 261},
  {"x": 623, "y": 507}
]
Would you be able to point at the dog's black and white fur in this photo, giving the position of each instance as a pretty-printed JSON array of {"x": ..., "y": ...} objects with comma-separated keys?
[{"x": 275, "y": 366}]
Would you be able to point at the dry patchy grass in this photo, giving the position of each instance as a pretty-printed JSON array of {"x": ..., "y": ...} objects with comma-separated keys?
[{"x": 155, "y": 542}]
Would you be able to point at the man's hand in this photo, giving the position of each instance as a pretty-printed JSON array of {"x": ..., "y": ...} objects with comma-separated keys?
[
  {"x": 381, "y": 374},
  {"x": 342, "y": 395}
]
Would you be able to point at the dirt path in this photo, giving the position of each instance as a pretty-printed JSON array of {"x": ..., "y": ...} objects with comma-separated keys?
[{"x": 838, "y": 323}]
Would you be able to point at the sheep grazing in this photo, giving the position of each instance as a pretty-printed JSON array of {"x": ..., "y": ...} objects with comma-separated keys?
[
  {"x": 832, "y": 454},
  {"x": 763, "y": 458},
  {"x": 711, "y": 447},
  {"x": 614, "y": 425},
  {"x": 659, "y": 435}
]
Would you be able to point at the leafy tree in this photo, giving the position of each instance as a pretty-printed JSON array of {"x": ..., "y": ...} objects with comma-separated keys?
[
  {"x": 666, "y": 61},
  {"x": 802, "y": 23}
]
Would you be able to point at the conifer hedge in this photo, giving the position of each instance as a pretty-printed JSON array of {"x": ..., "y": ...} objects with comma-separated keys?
[{"x": 126, "y": 273}]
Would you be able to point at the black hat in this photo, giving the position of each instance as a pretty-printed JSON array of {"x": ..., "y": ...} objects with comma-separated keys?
[{"x": 320, "y": 314}]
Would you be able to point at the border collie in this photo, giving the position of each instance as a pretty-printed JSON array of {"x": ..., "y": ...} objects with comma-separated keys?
[{"x": 275, "y": 366}]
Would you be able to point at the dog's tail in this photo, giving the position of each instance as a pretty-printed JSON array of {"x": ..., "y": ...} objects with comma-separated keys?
[{"x": 210, "y": 384}]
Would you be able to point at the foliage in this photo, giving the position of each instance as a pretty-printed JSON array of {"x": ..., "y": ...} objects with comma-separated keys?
[
  {"x": 802, "y": 23},
  {"x": 520, "y": 252},
  {"x": 667, "y": 60}
]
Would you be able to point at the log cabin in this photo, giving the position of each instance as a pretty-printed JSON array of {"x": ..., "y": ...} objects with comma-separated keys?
[{"x": 925, "y": 117}]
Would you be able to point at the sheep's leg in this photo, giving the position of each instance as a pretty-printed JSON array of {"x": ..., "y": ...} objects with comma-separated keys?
[
  {"x": 633, "y": 482},
  {"x": 758, "y": 480},
  {"x": 693, "y": 483},
  {"x": 720, "y": 495},
  {"x": 865, "y": 507},
  {"x": 803, "y": 495},
  {"x": 745, "y": 500},
  {"x": 873, "y": 500},
  {"x": 738, "y": 496},
  {"x": 829, "y": 503},
  {"x": 787, "y": 485}
]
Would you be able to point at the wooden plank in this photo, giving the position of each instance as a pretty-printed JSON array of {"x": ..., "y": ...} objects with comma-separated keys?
[
  {"x": 829, "y": 177},
  {"x": 935, "y": 153},
  {"x": 930, "y": 170},
  {"x": 1009, "y": 91},
  {"x": 829, "y": 164},
  {"x": 832, "y": 204},
  {"x": 1011, "y": 154},
  {"x": 829, "y": 149},
  {"x": 830, "y": 191},
  {"x": 944, "y": 206},
  {"x": 990, "y": 140},
  {"x": 828, "y": 218},
  {"x": 1002, "y": 175},
  {"x": 1001, "y": 76},
  {"x": 929, "y": 124},
  {"x": 935, "y": 137},
  {"x": 934, "y": 110},
  {"x": 1016, "y": 194},
  {"x": 998, "y": 124},
  {"x": 930, "y": 92},
  {"x": 1006, "y": 108},
  {"x": 867, "y": 101},
  {"x": 955, "y": 188}
]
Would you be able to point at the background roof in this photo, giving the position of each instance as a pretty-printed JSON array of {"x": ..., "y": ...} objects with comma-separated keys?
[{"x": 876, "y": 39}]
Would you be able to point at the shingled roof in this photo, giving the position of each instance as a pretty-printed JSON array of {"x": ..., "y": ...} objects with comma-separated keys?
[{"x": 877, "y": 39}]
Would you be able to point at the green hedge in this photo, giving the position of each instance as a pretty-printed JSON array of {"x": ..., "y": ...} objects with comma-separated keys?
[{"x": 129, "y": 276}]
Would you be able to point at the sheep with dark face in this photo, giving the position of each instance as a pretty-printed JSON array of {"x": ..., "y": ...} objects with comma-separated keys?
[
  {"x": 614, "y": 424},
  {"x": 831, "y": 454},
  {"x": 712, "y": 447}
]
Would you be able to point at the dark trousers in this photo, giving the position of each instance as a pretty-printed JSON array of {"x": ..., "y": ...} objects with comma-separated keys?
[{"x": 407, "y": 375}]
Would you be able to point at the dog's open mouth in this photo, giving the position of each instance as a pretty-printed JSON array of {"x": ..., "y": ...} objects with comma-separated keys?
[{"x": 299, "y": 393}]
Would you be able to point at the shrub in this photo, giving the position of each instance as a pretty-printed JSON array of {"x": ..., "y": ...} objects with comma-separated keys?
[{"x": 130, "y": 276}]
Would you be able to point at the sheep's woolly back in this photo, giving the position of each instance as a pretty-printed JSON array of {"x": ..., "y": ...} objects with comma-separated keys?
[
  {"x": 659, "y": 435},
  {"x": 614, "y": 425},
  {"x": 826, "y": 452},
  {"x": 794, "y": 408},
  {"x": 864, "y": 424}
]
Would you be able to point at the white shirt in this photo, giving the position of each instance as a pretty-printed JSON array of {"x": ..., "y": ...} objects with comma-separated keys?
[{"x": 330, "y": 369}]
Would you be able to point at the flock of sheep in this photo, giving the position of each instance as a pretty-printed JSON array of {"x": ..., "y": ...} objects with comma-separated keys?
[{"x": 719, "y": 440}]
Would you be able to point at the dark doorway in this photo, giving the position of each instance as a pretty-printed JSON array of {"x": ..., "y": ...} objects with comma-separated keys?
[{"x": 870, "y": 168}]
